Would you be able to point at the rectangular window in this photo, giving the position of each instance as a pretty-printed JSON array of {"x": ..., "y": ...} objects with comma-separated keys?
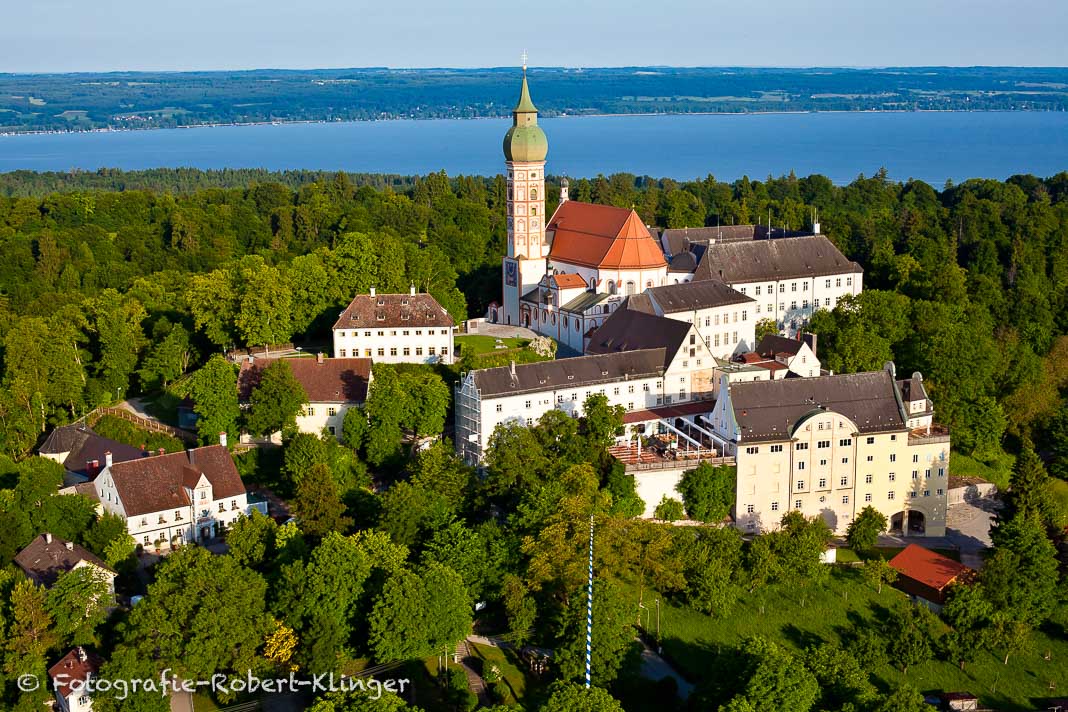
[
  {"x": 823, "y": 463},
  {"x": 823, "y": 482},
  {"x": 800, "y": 465},
  {"x": 500, "y": 407},
  {"x": 331, "y": 411},
  {"x": 871, "y": 458},
  {"x": 801, "y": 446},
  {"x": 823, "y": 443},
  {"x": 800, "y": 485},
  {"x": 407, "y": 350},
  {"x": 367, "y": 353},
  {"x": 776, "y": 448},
  {"x": 867, "y": 497},
  {"x": 912, "y": 495},
  {"x": 867, "y": 479},
  {"x": 927, "y": 493},
  {"x": 870, "y": 440},
  {"x": 752, "y": 450},
  {"x": 526, "y": 405},
  {"x": 890, "y": 494},
  {"x": 941, "y": 492},
  {"x": 843, "y": 481},
  {"x": 393, "y": 351},
  {"x": 775, "y": 506},
  {"x": 915, "y": 458},
  {"x": 382, "y": 352},
  {"x": 846, "y": 442},
  {"x": 915, "y": 474},
  {"x": 845, "y": 499},
  {"x": 797, "y": 504},
  {"x": 750, "y": 509},
  {"x": 311, "y": 411},
  {"x": 845, "y": 460},
  {"x": 343, "y": 353},
  {"x": 927, "y": 474},
  {"x": 893, "y": 457},
  {"x": 892, "y": 477},
  {"x": 827, "y": 284},
  {"x": 432, "y": 350}
]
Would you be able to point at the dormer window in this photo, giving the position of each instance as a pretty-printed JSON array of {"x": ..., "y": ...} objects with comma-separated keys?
[
  {"x": 381, "y": 302},
  {"x": 380, "y": 317},
  {"x": 404, "y": 302},
  {"x": 177, "y": 515}
]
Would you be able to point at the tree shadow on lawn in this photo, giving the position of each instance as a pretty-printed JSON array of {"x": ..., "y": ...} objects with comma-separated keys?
[{"x": 803, "y": 639}]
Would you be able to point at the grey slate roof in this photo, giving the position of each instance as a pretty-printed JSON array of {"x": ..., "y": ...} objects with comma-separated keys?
[
  {"x": 584, "y": 301},
  {"x": 638, "y": 302},
  {"x": 44, "y": 561},
  {"x": 776, "y": 259},
  {"x": 770, "y": 410},
  {"x": 630, "y": 330},
  {"x": 568, "y": 373},
  {"x": 678, "y": 240},
  {"x": 773, "y": 344},
  {"x": 912, "y": 388},
  {"x": 84, "y": 446},
  {"x": 691, "y": 296}
]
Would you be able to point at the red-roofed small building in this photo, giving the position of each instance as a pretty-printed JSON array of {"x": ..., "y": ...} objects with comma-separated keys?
[
  {"x": 69, "y": 677},
  {"x": 926, "y": 574},
  {"x": 176, "y": 498},
  {"x": 333, "y": 385}
]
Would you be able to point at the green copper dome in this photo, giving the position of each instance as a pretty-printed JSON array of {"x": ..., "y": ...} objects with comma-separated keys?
[{"x": 525, "y": 141}]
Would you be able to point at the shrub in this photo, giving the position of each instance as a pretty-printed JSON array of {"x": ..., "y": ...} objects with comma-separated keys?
[{"x": 669, "y": 509}]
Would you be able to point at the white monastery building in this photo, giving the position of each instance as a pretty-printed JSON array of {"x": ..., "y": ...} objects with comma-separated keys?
[
  {"x": 178, "y": 498},
  {"x": 564, "y": 273},
  {"x": 395, "y": 328}
]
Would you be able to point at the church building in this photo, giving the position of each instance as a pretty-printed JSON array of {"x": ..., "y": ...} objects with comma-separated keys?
[{"x": 564, "y": 274}]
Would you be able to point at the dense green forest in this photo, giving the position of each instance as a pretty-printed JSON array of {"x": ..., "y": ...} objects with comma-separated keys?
[{"x": 62, "y": 102}]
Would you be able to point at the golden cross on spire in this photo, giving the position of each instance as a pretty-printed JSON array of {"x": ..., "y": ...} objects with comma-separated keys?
[{"x": 523, "y": 57}]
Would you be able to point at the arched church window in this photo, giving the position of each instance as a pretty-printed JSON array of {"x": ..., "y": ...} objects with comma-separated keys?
[
  {"x": 533, "y": 192},
  {"x": 533, "y": 209},
  {"x": 630, "y": 287},
  {"x": 611, "y": 286}
]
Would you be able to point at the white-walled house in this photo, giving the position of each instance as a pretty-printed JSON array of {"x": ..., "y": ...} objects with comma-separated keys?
[
  {"x": 395, "y": 328},
  {"x": 48, "y": 557},
  {"x": 725, "y": 318},
  {"x": 333, "y": 385},
  {"x": 176, "y": 498},
  {"x": 69, "y": 677}
]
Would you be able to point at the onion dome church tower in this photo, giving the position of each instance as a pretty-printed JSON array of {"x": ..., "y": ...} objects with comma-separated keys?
[{"x": 525, "y": 148}]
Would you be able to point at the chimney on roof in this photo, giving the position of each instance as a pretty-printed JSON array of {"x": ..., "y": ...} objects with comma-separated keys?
[
  {"x": 319, "y": 357},
  {"x": 563, "y": 190},
  {"x": 80, "y": 652},
  {"x": 192, "y": 456},
  {"x": 48, "y": 537},
  {"x": 222, "y": 438},
  {"x": 809, "y": 338},
  {"x": 161, "y": 451},
  {"x": 372, "y": 291},
  {"x": 69, "y": 545},
  {"x": 251, "y": 359},
  {"x": 411, "y": 290},
  {"x": 107, "y": 459}
]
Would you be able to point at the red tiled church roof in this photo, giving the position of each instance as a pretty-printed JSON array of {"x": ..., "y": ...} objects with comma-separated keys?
[{"x": 602, "y": 236}]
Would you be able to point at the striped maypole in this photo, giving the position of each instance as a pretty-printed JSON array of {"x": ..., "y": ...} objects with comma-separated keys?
[{"x": 589, "y": 609}]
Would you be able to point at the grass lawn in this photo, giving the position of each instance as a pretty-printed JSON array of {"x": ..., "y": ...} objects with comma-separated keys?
[
  {"x": 481, "y": 344},
  {"x": 693, "y": 640},
  {"x": 509, "y": 665},
  {"x": 844, "y": 555},
  {"x": 997, "y": 471}
]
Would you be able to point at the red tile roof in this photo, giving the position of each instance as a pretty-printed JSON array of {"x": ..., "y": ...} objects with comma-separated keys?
[
  {"x": 569, "y": 281},
  {"x": 927, "y": 567},
  {"x": 72, "y": 667},
  {"x": 334, "y": 380},
  {"x": 157, "y": 484},
  {"x": 602, "y": 236},
  {"x": 669, "y": 411},
  {"x": 393, "y": 310}
]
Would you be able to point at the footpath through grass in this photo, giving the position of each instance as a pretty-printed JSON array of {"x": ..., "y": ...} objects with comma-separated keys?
[{"x": 693, "y": 640}]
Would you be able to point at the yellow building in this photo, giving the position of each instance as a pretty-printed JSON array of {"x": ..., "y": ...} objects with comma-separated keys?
[{"x": 833, "y": 445}]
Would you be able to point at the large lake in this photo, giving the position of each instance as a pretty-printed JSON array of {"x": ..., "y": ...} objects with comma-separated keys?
[{"x": 930, "y": 146}]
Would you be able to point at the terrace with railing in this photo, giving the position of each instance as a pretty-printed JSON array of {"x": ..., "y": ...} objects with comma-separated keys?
[{"x": 934, "y": 434}]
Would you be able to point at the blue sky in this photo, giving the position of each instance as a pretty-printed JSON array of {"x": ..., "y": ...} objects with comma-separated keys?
[{"x": 94, "y": 35}]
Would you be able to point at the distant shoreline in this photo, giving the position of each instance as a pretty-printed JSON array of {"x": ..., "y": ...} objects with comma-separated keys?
[{"x": 280, "y": 122}]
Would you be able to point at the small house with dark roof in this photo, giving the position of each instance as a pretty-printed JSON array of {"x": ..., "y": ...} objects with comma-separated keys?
[
  {"x": 333, "y": 385},
  {"x": 926, "y": 575},
  {"x": 176, "y": 498},
  {"x": 69, "y": 677},
  {"x": 48, "y": 557},
  {"x": 830, "y": 446},
  {"x": 395, "y": 328},
  {"x": 796, "y": 355},
  {"x": 81, "y": 451}
]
